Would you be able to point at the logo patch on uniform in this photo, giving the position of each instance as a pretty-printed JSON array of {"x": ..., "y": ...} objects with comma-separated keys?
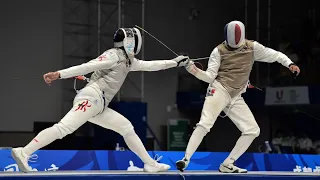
[
  {"x": 96, "y": 102},
  {"x": 83, "y": 106},
  {"x": 102, "y": 57},
  {"x": 210, "y": 91}
]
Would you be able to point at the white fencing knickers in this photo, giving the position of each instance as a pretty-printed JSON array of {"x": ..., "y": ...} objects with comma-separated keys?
[
  {"x": 89, "y": 106},
  {"x": 217, "y": 100}
]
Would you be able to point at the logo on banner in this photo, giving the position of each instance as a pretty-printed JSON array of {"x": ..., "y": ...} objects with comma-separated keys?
[
  {"x": 287, "y": 95},
  {"x": 11, "y": 167},
  {"x": 53, "y": 168},
  {"x": 293, "y": 95},
  {"x": 132, "y": 167},
  {"x": 280, "y": 94},
  {"x": 33, "y": 158},
  {"x": 306, "y": 169},
  {"x": 14, "y": 167}
]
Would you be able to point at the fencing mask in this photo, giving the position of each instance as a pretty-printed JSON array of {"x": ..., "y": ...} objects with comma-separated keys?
[
  {"x": 130, "y": 39},
  {"x": 234, "y": 34}
]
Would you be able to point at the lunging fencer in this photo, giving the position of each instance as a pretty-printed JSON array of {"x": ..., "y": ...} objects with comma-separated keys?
[
  {"x": 228, "y": 71},
  {"x": 91, "y": 103}
]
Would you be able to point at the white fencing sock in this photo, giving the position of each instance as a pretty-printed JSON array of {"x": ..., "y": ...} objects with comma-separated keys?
[
  {"x": 241, "y": 146},
  {"x": 44, "y": 138},
  {"x": 135, "y": 145},
  {"x": 195, "y": 140}
]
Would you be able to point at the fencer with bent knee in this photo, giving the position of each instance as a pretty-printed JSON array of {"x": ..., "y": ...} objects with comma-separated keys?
[
  {"x": 91, "y": 103},
  {"x": 228, "y": 72}
]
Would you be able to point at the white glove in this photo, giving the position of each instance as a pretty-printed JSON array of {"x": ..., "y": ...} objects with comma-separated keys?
[
  {"x": 181, "y": 60},
  {"x": 191, "y": 68}
]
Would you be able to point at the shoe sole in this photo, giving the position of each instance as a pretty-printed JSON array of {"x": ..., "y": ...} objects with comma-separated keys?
[
  {"x": 233, "y": 171},
  {"x": 155, "y": 171},
  {"x": 180, "y": 165},
  {"x": 18, "y": 161}
]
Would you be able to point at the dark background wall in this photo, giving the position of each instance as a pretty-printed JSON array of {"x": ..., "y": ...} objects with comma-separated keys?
[{"x": 31, "y": 45}]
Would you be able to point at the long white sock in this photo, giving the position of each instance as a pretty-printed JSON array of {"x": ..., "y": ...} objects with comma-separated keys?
[
  {"x": 195, "y": 140},
  {"x": 241, "y": 146},
  {"x": 44, "y": 138},
  {"x": 135, "y": 145}
]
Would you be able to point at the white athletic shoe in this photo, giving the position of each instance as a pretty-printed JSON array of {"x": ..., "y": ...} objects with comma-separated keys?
[
  {"x": 182, "y": 164},
  {"x": 21, "y": 159},
  {"x": 155, "y": 166},
  {"x": 231, "y": 168}
]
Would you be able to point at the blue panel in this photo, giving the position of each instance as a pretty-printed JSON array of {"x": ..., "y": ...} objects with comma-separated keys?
[
  {"x": 136, "y": 112},
  {"x": 190, "y": 100},
  {"x": 119, "y": 160}
]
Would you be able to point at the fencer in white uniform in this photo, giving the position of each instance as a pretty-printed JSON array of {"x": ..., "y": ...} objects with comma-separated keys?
[
  {"x": 91, "y": 103},
  {"x": 228, "y": 72}
]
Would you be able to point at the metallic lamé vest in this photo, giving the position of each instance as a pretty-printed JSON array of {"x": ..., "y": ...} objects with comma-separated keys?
[{"x": 235, "y": 67}]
